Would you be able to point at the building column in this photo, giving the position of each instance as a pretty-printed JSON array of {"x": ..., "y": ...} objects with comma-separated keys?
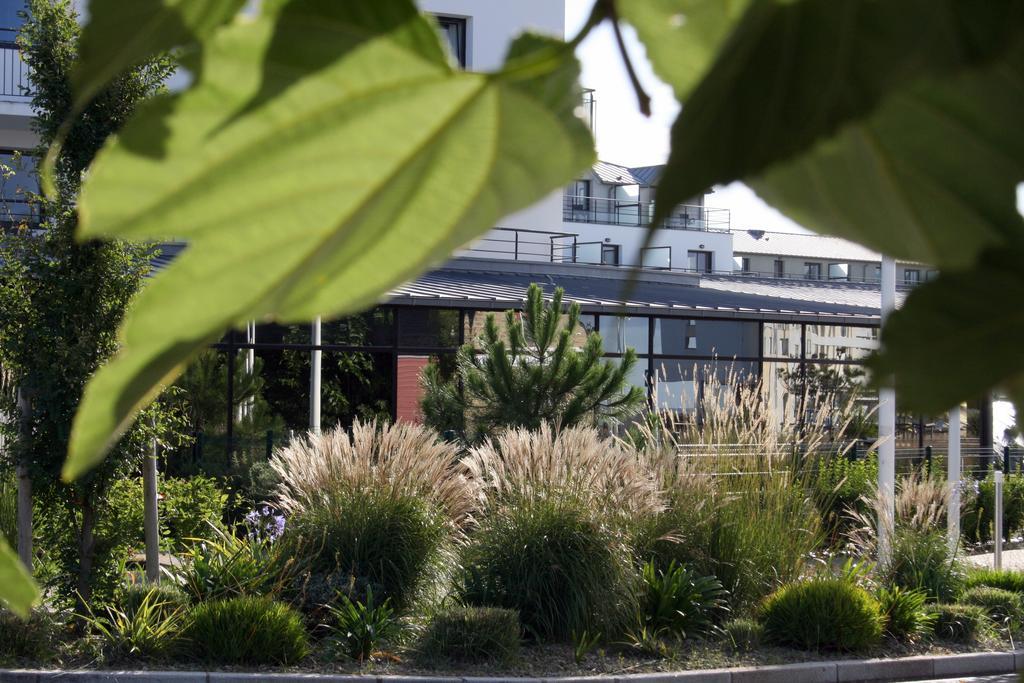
[
  {"x": 314, "y": 376},
  {"x": 886, "y": 428}
]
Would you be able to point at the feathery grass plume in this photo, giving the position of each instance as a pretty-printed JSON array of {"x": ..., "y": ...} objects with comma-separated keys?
[
  {"x": 398, "y": 460},
  {"x": 919, "y": 505}
]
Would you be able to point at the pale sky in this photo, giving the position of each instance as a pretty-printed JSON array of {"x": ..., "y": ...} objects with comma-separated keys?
[{"x": 625, "y": 136}]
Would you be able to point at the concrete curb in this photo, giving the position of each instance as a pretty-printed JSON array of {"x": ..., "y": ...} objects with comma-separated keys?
[{"x": 839, "y": 671}]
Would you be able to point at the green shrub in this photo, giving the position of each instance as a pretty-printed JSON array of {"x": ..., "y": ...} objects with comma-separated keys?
[
  {"x": 228, "y": 566},
  {"x": 29, "y": 641},
  {"x": 1007, "y": 579},
  {"x": 188, "y": 508},
  {"x": 679, "y": 601},
  {"x": 960, "y": 623},
  {"x": 1005, "y": 608},
  {"x": 149, "y": 630},
  {"x": 905, "y": 613},
  {"x": 358, "y": 629},
  {"x": 472, "y": 634},
  {"x": 823, "y": 614},
  {"x": 249, "y": 631},
  {"x": 743, "y": 634},
  {"x": 165, "y": 597},
  {"x": 393, "y": 544},
  {"x": 977, "y": 519},
  {"x": 563, "y": 570},
  {"x": 8, "y": 506},
  {"x": 922, "y": 559},
  {"x": 842, "y": 485}
]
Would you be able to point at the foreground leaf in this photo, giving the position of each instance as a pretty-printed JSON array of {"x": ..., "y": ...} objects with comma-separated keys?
[
  {"x": 17, "y": 590},
  {"x": 121, "y": 34},
  {"x": 682, "y": 37},
  {"x": 957, "y": 337},
  {"x": 794, "y": 72},
  {"x": 373, "y": 161},
  {"x": 929, "y": 176}
]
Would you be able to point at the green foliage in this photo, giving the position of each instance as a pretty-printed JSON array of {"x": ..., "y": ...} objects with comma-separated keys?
[
  {"x": 163, "y": 597},
  {"x": 30, "y": 639},
  {"x": 563, "y": 570},
  {"x": 823, "y": 614},
  {"x": 1005, "y": 608},
  {"x": 533, "y": 372},
  {"x": 250, "y": 69},
  {"x": 188, "y": 509},
  {"x": 843, "y": 485},
  {"x": 149, "y": 630},
  {"x": 923, "y": 560},
  {"x": 8, "y": 506},
  {"x": 1007, "y": 579},
  {"x": 743, "y": 634},
  {"x": 247, "y": 631},
  {"x": 679, "y": 601},
  {"x": 473, "y": 634},
  {"x": 359, "y": 629},
  {"x": 977, "y": 517},
  {"x": 373, "y": 540},
  {"x": 228, "y": 566},
  {"x": 960, "y": 623},
  {"x": 905, "y": 613}
]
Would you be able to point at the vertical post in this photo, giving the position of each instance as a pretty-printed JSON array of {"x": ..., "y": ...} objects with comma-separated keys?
[
  {"x": 997, "y": 561},
  {"x": 229, "y": 435},
  {"x": 517, "y": 247},
  {"x": 314, "y": 376},
  {"x": 24, "y": 489},
  {"x": 887, "y": 427},
  {"x": 953, "y": 478},
  {"x": 928, "y": 460},
  {"x": 152, "y": 521},
  {"x": 1006, "y": 459}
]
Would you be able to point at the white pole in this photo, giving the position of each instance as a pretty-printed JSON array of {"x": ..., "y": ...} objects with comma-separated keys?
[
  {"x": 953, "y": 479},
  {"x": 151, "y": 516},
  {"x": 314, "y": 377},
  {"x": 887, "y": 428},
  {"x": 997, "y": 558}
]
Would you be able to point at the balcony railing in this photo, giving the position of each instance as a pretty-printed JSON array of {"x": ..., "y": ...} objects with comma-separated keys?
[
  {"x": 581, "y": 209},
  {"x": 13, "y": 71}
]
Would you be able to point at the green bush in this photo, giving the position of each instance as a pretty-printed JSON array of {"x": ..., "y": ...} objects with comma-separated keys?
[
  {"x": 26, "y": 641},
  {"x": 922, "y": 559},
  {"x": 472, "y": 634},
  {"x": 743, "y": 634},
  {"x": 229, "y": 566},
  {"x": 841, "y": 485},
  {"x": 188, "y": 508},
  {"x": 248, "y": 630},
  {"x": 977, "y": 519},
  {"x": 1007, "y": 579},
  {"x": 823, "y": 614},
  {"x": 681, "y": 602},
  {"x": 393, "y": 544},
  {"x": 905, "y": 613},
  {"x": 550, "y": 560},
  {"x": 1005, "y": 608},
  {"x": 960, "y": 623},
  {"x": 149, "y": 630},
  {"x": 358, "y": 629},
  {"x": 165, "y": 597}
]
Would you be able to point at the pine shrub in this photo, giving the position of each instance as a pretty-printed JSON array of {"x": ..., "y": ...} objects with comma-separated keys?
[
  {"x": 1005, "y": 608},
  {"x": 1007, "y": 579},
  {"x": 472, "y": 634},
  {"x": 823, "y": 614},
  {"x": 743, "y": 634},
  {"x": 960, "y": 623},
  {"x": 165, "y": 597},
  {"x": 248, "y": 631}
]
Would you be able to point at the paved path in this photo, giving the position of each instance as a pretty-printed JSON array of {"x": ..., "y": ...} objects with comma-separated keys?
[{"x": 1012, "y": 559}]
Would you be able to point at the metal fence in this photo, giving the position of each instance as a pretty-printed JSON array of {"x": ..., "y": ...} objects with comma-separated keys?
[
  {"x": 635, "y": 213},
  {"x": 14, "y": 81}
]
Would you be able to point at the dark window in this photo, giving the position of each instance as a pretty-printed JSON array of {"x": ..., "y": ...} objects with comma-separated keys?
[
  {"x": 454, "y": 30},
  {"x": 428, "y": 328},
  {"x": 741, "y": 263},
  {"x": 812, "y": 271},
  {"x": 911, "y": 276},
  {"x": 375, "y": 327},
  {"x": 691, "y": 337},
  {"x": 17, "y": 182},
  {"x": 699, "y": 261},
  {"x": 930, "y": 275},
  {"x": 620, "y": 333},
  {"x": 10, "y": 22},
  {"x": 780, "y": 268},
  {"x": 609, "y": 254},
  {"x": 581, "y": 195}
]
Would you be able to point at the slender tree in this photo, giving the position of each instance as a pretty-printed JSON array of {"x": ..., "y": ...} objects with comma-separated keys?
[
  {"x": 61, "y": 301},
  {"x": 530, "y": 374}
]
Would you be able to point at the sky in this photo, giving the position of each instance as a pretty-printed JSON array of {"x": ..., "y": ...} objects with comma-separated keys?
[{"x": 627, "y": 137}]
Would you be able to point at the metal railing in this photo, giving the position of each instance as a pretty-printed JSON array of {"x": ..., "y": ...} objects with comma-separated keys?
[
  {"x": 14, "y": 81},
  {"x": 604, "y": 211},
  {"x": 527, "y": 245}
]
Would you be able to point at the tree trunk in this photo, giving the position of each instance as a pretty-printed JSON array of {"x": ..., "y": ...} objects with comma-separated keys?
[
  {"x": 86, "y": 555},
  {"x": 24, "y": 486}
]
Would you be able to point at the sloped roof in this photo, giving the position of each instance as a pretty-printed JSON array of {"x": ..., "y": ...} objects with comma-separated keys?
[
  {"x": 614, "y": 174},
  {"x": 648, "y": 175},
  {"x": 802, "y": 246}
]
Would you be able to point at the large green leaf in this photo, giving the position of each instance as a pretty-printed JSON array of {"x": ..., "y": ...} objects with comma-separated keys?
[
  {"x": 958, "y": 336},
  {"x": 930, "y": 175},
  {"x": 360, "y": 172},
  {"x": 17, "y": 590},
  {"x": 682, "y": 37},
  {"x": 122, "y": 34},
  {"x": 793, "y": 72}
]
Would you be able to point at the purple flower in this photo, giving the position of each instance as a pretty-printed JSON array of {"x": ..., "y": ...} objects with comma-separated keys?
[{"x": 264, "y": 524}]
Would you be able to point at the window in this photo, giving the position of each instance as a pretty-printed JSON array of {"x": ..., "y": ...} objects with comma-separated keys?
[
  {"x": 620, "y": 333},
  {"x": 839, "y": 271},
  {"x": 876, "y": 276},
  {"x": 454, "y": 30},
  {"x": 699, "y": 261},
  {"x": 780, "y": 268},
  {"x": 911, "y": 276},
  {"x": 20, "y": 183},
  {"x": 609, "y": 254},
  {"x": 930, "y": 275},
  {"x": 691, "y": 337},
  {"x": 580, "y": 195},
  {"x": 812, "y": 271},
  {"x": 741, "y": 263}
]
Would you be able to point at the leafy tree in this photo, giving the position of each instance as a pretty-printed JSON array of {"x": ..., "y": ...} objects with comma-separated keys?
[
  {"x": 531, "y": 374},
  {"x": 62, "y": 300}
]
